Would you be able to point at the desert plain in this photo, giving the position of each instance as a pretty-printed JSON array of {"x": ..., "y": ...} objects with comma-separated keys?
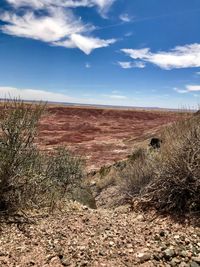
[{"x": 102, "y": 136}]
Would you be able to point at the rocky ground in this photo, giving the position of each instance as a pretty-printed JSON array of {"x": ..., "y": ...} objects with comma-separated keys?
[{"x": 103, "y": 237}]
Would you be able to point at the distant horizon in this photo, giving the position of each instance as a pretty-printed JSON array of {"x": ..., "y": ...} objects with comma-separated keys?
[
  {"x": 71, "y": 104},
  {"x": 107, "y": 52}
]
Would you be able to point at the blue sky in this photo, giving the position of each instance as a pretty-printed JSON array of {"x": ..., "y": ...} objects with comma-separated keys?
[{"x": 115, "y": 52}]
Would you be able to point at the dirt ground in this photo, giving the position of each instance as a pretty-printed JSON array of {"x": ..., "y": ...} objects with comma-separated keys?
[{"x": 102, "y": 136}]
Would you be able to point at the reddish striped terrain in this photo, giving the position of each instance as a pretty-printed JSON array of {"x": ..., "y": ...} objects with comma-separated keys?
[{"x": 102, "y": 136}]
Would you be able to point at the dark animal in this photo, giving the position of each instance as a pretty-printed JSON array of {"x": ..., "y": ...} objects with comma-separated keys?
[
  {"x": 197, "y": 113},
  {"x": 155, "y": 143}
]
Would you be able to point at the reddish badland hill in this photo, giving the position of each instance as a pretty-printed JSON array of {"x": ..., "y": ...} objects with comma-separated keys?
[{"x": 102, "y": 136}]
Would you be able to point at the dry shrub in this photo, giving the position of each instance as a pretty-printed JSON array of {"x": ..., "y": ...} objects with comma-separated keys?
[
  {"x": 64, "y": 169},
  {"x": 29, "y": 179},
  {"x": 175, "y": 187},
  {"x": 137, "y": 173},
  {"x": 18, "y": 154},
  {"x": 167, "y": 179}
]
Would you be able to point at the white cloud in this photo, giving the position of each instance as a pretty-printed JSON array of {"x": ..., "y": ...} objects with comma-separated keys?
[
  {"x": 193, "y": 88},
  {"x": 120, "y": 97},
  {"x": 130, "y": 65},
  {"x": 187, "y": 56},
  {"x": 102, "y": 5},
  {"x": 86, "y": 44},
  {"x": 31, "y": 94},
  {"x": 125, "y": 17},
  {"x": 188, "y": 89},
  {"x": 42, "y": 95},
  {"x": 198, "y": 73},
  {"x": 58, "y": 27},
  {"x": 180, "y": 91}
]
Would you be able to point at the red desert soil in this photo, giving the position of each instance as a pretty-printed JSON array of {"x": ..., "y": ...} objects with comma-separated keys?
[{"x": 103, "y": 136}]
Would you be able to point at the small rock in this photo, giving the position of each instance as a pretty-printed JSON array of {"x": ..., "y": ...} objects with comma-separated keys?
[
  {"x": 184, "y": 264},
  {"x": 65, "y": 261},
  {"x": 174, "y": 262},
  {"x": 111, "y": 243},
  {"x": 162, "y": 233},
  {"x": 143, "y": 256},
  {"x": 194, "y": 264},
  {"x": 140, "y": 218},
  {"x": 93, "y": 183},
  {"x": 183, "y": 253},
  {"x": 169, "y": 253},
  {"x": 157, "y": 237},
  {"x": 196, "y": 259}
]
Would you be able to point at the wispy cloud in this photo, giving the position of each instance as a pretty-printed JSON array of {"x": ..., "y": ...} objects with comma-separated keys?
[
  {"x": 59, "y": 26},
  {"x": 180, "y": 91},
  {"x": 42, "y": 95},
  {"x": 198, "y": 73},
  {"x": 32, "y": 94},
  {"x": 102, "y": 5},
  {"x": 187, "y": 56},
  {"x": 56, "y": 25},
  {"x": 113, "y": 96},
  {"x": 193, "y": 88},
  {"x": 85, "y": 43},
  {"x": 128, "y": 34},
  {"x": 188, "y": 89},
  {"x": 125, "y": 17},
  {"x": 130, "y": 65}
]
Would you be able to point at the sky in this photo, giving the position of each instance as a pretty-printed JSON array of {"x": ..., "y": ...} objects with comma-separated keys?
[{"x": 113, "y": 52}]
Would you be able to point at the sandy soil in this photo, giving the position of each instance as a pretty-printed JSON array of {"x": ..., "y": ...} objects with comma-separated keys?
[{"x": 103, "y": 136}]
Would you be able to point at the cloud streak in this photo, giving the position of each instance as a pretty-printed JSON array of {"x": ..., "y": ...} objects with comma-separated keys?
[
  {"x": 42, "y": 95},
  {"x": 125, "y": 17},
  {"x": 31, "y": 94},
  {"x": 116, "y": 97},
  {"x": 187, "y": 56}
]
